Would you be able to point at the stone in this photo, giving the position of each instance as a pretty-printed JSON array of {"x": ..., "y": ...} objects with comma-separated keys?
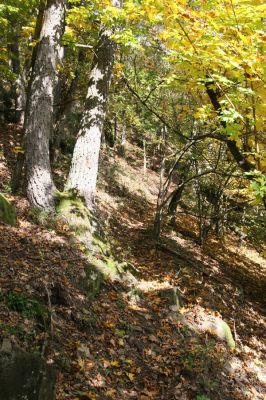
[
  {"x": 219, "y": 328},
  {"x": 6, "y": 346},
  {"x": 25, "y": 376},
  {"x": 83, "y": 351},
  {"x": 171, "y": 295}
]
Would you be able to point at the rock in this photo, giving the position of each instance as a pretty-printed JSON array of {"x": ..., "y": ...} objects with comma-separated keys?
[
  {"x": 25, "y": 376},
  {"x": 219, "y": 328},
  {"x": 83, "y": 351},
  {"x": 171, "y": 295},
  {"x": 6, "y": 346},
  {"x": 91, "y": 281},
  {"x": 232, "y": 365},
  {"x": 7, "y": 211}
]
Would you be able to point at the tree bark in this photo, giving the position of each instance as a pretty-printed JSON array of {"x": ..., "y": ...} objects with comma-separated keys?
[
  {"x": 84, "y": 167},
  {"x": 39, "y": 118},
  {"x": 157, "y": 225},
  {"x": 176, "y": 197},
  {"x": 18, "y": 87},
  {"x": 64, "y": 126},
  {"x": 18, "y": 178}
]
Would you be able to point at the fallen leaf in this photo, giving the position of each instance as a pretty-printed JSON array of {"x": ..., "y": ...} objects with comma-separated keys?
[
  {"x": 130, "y": 376},
  {"x": 115, "y": 363}
]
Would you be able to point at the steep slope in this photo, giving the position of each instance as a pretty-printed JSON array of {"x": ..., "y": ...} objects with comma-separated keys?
[{"x": 127, "y": 342}]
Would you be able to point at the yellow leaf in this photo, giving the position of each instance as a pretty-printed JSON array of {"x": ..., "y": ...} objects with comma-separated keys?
[
  {"x": 183, "y": 310},
  {"x": 115, "y": 363},
  {"x": 109, "y": 324},
  {"x": 81, "y": 364},
  {"x": 110, "y": 392},
  {"x": 130, "y": 376},
  {"x": 18, "y": 149}
]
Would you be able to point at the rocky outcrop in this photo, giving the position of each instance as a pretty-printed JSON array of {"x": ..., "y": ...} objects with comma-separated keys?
[{"x": 25, "y": 376}]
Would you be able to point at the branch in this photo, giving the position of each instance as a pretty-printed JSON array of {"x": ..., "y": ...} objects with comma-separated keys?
[
  {"x": 143, "y": 102},
  {"x": 210, "y": 171},
  {"x": 153, "y": 90},
  {"x": 242, "y": 162}
]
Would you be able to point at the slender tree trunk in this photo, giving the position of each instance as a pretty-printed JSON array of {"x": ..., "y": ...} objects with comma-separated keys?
[
  {"x": 39, "y": 118},
  {"x": 18, "y": 87},
  {"x": 161, "y": 195},
  {"x": 84, "y": 167},
  {"x": 64, "y": 127},
  {"x": 176, "y": 197},
  {"x": 178, "y": 192},
  {"x": 144, "y": 157}
]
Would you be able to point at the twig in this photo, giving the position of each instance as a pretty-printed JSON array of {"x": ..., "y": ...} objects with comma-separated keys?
[
  {"x": 50, "y": 311},
  {"x": 235, "y": 334}
]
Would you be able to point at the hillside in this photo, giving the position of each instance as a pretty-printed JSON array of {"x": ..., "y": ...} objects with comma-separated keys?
[{"x": 132, "y": 342}]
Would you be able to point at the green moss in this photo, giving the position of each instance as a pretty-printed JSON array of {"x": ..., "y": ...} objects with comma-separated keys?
[
  {"x": 102, "y": 245},
  {"x": 24, "y": 305},
  {"x": 7, "y": 211},
  {"x": 82, "y": 223},
  {"x": 15, "y": 330},
  {"x": 217, "y": 327},
  {"x": 93, "y": 281},
  {"x": 105, "y": 266},
  {"x": 74, "y": 210},
  {"x": 41, "y": 217},
  {"x": 228, "y": 335}
]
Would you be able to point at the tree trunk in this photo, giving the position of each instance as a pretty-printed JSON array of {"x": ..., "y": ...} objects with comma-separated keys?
[
  {"x": 84, "y": 167},
  {"x": 64, "y": 126},
  {"x": 178, "y": 192},
  {"x": 18, "y": 87},
  {"x": 18, "y": 178},
  {"x": 161, "y": 194},
  {"x": 144, "y": 157},
  {"x": 39, "y": 118},
  {"x": 176, "y": 197}
]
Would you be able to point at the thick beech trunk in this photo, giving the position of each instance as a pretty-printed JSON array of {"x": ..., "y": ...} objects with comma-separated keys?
[
  {"x": 39, "y": 117},
  {"x": 84, "y": 167}
]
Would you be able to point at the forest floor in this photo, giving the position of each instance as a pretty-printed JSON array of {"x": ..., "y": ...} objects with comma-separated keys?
[{"x": 124, "y": 344}]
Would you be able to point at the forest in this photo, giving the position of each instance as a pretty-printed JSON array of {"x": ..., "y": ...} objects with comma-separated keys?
[{"x": 132, "y": 199}]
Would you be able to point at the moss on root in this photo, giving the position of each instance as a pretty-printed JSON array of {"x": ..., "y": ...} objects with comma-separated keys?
[
  {"x": 74, "y": 210},
  {"x": 83, "y": 225},
  {"x": 7, "y": 211}
]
